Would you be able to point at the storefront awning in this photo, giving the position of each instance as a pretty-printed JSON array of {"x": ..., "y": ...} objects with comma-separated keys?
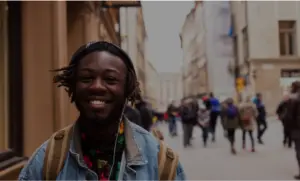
[{"x": 131, "y": 3}]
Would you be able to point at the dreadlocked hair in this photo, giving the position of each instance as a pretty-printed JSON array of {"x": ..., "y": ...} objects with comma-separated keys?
[{"x": 65, "y": 76}]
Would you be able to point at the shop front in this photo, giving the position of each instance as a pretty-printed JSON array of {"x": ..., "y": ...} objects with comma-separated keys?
[
  {"x": 11, "y": 109},
  {"x": 272, "y": 77},
  {"x": 37, "y": 37}
]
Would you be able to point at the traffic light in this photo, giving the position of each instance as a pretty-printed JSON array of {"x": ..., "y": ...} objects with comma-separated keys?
[{"x": 240, "y": 84}]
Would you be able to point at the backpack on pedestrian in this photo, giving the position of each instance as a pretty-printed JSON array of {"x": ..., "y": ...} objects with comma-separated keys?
[
  {"x": 247, "y": 115},
  {"x": 232, "y": 112},
  {"x": 58, "y": 147}
]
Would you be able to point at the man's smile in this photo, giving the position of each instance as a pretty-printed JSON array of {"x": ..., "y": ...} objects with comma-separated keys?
[{"x": 97, "y": 104}]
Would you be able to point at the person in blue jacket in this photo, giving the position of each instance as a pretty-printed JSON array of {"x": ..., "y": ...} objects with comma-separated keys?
[{"x": 215, "y": 109}]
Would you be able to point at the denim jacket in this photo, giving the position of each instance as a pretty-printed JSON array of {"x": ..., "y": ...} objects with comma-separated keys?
[{"x": 139, "y": 161}]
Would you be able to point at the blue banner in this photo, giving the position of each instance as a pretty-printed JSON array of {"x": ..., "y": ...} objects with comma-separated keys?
[{"x": 230, "y": 32}]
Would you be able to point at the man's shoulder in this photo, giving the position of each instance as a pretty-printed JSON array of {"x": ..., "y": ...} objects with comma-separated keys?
[
  {"x": 33, "y": 168},
  {"x": 143, "y": 137},
  {"x": 139, "y": 131}
]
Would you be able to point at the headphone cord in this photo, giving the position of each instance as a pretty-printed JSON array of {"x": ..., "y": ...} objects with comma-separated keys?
[{"x": 116, "y": 141}]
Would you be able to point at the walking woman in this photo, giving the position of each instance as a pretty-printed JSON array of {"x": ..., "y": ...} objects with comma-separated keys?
[
  {"x": 231, "y": 122},
  {"x": 248, "y": 114}
]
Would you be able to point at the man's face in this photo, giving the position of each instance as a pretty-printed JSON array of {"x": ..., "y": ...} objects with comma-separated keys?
[{"x": 100, "y": 85}]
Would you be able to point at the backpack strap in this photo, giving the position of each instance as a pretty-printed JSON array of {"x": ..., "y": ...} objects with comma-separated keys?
[
  {"x": 56, "y": 153},
  {"x": 167, "y": 162}
]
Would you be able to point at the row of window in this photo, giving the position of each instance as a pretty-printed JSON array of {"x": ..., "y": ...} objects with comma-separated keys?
[{"x": 287, "y": 39}]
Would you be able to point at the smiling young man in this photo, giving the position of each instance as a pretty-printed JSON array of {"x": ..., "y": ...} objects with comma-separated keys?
[{"x": 102, "y": 144}]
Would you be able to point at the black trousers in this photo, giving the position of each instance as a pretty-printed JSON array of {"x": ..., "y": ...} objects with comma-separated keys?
[
  {"x": 250, "y": 133},
  {"x": 213, "y": 122},
  {"x": 231, "y": 135},
  {"x": 204, "y": 133},
  {"x": 187, "y": 133},
  {"x": 287, "y": 139},
  {"x": 296, "y": 140},
  {"x": 261, "y": 127}
]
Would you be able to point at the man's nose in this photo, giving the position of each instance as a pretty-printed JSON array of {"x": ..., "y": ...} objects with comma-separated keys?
[{"x": 97, "y": 84}]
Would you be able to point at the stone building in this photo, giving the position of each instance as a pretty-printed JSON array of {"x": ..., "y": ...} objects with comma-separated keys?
[
  {"x": 37, "y": 37},
  {"x": 152, "y": 85},
  {"x": 267, "y": 46},
  {"x": 207, "y": 49},
  {"x": 171, "y": 89},
  {"x": 192, "y": 38},
  {"x": 133, "y": 39}
]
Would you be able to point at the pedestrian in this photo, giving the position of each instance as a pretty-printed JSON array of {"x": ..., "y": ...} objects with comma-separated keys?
[
  {"x": 100, "y": 80},
  {"x": 261, "y": 118},
  {"x": 172, "y": 112},
  {"x": 248, "y": 114},
  {"x": 281, "y": 111},
  {"x": 203, "y": 120},
  {"x": 292, "y": 120},
  {"x": 215, "y": 108},
  {"x": 189, "y": 113},
  {"x": 222, "y": 115},
  {"x": 231, "y": 123},
  {"x": 145, "y": 112}
]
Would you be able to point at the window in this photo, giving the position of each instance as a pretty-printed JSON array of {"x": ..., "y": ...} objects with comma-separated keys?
[
  {"x": 3, "y": 78},
  {"x": 11, "y": 100},
  {"x": 287, "y": 38}
]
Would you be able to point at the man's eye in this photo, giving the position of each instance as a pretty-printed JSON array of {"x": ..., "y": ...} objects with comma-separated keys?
[
  {"x": 85, "y": 79},
  {"x": 111, "y": 79}
]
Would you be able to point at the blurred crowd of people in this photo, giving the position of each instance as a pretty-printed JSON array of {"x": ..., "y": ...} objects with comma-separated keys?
[{"x": 204, "y": 111}]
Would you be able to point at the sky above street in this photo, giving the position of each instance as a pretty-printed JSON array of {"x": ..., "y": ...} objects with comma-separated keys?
[{"x": 163, "y": 21}]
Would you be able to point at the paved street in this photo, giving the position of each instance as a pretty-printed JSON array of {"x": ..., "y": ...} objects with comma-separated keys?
[{"x": 271, "y": 161}]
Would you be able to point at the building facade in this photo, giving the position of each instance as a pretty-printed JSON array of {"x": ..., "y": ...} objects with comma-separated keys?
[
  {"x": 133, "y": 40},
  {"x": 192, "y": 37},
  {"x": 267, "y": 47},
  {"x": 171, "y": 89},
  {"x": 219, "y": 47},
  {"x": 37, "y": 37},
  {"x": 152, "y": 85},
  {"x": 207, "y": 49}
]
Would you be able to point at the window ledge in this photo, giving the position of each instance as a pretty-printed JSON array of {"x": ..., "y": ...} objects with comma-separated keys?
[
  {"x": 12, "y": 173},
  {"x": 10, "y": 165}
]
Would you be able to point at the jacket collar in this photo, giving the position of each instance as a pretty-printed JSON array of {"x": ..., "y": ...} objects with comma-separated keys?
[{"x": 133, "y": 152}]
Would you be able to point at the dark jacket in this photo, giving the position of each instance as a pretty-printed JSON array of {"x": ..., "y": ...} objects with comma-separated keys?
[
  {"x": 261, "y": 110},
  {"x": 292, "y": 117},
  {"x": 133, "y": 115},
  {"x": 189, "y": 114},
  {"x": 171, "y": 109},
  {"x": 281, "y": 110},
  {"x": 146, "y": 115}
]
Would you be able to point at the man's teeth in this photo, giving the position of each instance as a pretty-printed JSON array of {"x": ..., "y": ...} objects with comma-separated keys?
[{"x": 97, "y": 102}]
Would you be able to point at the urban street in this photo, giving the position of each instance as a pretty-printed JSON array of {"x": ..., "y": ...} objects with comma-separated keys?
[
  {"x": 194, "y": 61},
  {"x": 270, "y": 162}
]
